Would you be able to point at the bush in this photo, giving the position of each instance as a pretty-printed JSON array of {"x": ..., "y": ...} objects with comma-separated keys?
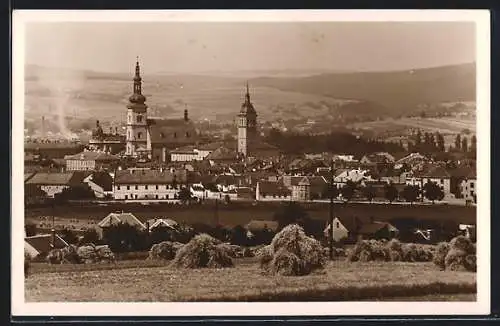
[
  {"x": 202, "y": 251},
  {"x": 292, "y": 252},
  {"x": 164, "y": 250}
]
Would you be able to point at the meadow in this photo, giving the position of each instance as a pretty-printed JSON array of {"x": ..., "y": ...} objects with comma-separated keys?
[{"x": 340, "y": 280}]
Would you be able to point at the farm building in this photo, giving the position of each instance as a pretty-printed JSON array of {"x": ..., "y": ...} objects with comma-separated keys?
[
  {"x": 339, "y": 230},
  {"x": 268, "y": 190},
  {"x": 377, "y": 230},
  {"x": 151, "y": 224},
  {"x": 40, "y": 245},
  {"x": 255, "y": 226}
]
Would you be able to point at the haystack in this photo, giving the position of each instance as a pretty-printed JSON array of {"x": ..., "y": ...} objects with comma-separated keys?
[
  {"x": 203, "y": 251},
  {"x": 370, "y": 250},
  {"x": 292, "y": 253},
  {"x": 105, "y": 254},
  {"x": 88, "y": 254},
  {"x": 457, "y": 255},
  {"x": 164, "y": 250}
]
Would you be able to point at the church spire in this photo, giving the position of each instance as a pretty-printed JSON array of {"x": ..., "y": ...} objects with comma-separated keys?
[
  {"x": 137, "y": 78},
  {"x": 247, "y": 95}
]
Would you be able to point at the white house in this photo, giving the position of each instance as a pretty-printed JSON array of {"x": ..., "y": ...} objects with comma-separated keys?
[
  {"x": 148, "y": 184},
  {"x": 188, "y": 154},
  {"x": 469, "y": 187},
  {"x": 339, "y": 230},
  {"x": 272, "y": 191},
  {"x": 436, "y": 174}
]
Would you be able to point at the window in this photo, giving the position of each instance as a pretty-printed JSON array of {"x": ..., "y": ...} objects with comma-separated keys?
[
  {"x": 126, "y": 196},
  {"x": 472, "y": 185},
  {"x": 139, "y": 118},
  {"x": 135, "y": 196},
  {"x": 128, "y": 187},
  {"x": 472, "y": 192},
  {"x": 156, "y": 196},
  {"x": 187, "y": 134},
  {"x": 338, "y": 225},
  {"x": 118, "y": 188},
  {"x": 146, "y": 187},
  {"x": 136, "y": 187},
  {"x": 139, "y": 135},
  {"x": 175, "y": 135},
  {"x": 156, "y": 187},
  {"x": 442, "y": 181}
]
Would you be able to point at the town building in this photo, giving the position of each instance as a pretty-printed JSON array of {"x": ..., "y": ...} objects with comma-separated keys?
[
  {"x": 90, "y": 161},
  {"x": 249, "y": 142},
  {"x": 302, "y": 190},
  {"x": 111, "y": 142},
  {"x": 469, "y": 187},
  {"x": 436, "y": 174},
  {"x": 149, "y": 184},
  {"x": 272, "y": 191},
  {"x": 153, "y": 138},
  {"x": 55, "y": 183}
]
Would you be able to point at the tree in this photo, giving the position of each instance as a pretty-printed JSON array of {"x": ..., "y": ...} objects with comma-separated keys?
[
  {"x": 90, "y": 236},
  {"x": 410, "y": 193},
  {"x": 348, "y": 190},
  {"x": 440, "y": 142},
  {"x": 30, "y": 229},
  {"x": 238, "y": 236},
  {"x": 69, "y": 236},
  {"x": 162, "y": 233},
  {"x": 184, "y": 195},
  {"x": 369, "y": 192},
  {"x": 465, "y": 145},
  {"x": 433, "y": 191},
  {"x": 124, "y": 237},
  {"x": 330, "y": 191},
  {"x": 473, "y": 143},
  {"x": 458, "y": 142},
  {"x": 418, "y": 141},
  {"x": 290, "y": 213},
  {"x": 391, "y": 193}
]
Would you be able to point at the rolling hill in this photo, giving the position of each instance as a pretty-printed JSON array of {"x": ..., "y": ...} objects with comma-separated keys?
[
  {"x": 82, "y": 96},
  {"x": 398, "y": 91}
]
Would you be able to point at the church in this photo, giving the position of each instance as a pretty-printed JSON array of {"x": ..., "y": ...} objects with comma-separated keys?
[{"x": 153, "y": 138}]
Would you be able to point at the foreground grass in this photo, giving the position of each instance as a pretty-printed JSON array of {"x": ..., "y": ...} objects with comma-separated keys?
[{"x": 340, "y": 281}]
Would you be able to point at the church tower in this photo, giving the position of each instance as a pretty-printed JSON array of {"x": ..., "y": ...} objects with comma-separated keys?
[
  {"x": 136, "y": 137},
  {"x": 247, "y": 125}
]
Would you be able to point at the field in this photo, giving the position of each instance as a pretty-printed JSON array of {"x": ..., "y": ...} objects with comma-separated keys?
[{"x": 340, "y": 281}]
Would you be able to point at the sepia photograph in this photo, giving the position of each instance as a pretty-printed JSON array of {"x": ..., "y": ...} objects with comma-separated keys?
[{"x": 265, "y": 162}]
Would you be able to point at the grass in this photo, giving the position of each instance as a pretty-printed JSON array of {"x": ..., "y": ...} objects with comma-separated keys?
[{"x": 340, "y": 281}]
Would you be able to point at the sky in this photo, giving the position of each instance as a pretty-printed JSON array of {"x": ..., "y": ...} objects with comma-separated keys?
[{"x": 182, "y": 47}]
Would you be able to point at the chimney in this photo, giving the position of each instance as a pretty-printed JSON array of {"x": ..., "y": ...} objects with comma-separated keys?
[{"x": 186, "y": 117}]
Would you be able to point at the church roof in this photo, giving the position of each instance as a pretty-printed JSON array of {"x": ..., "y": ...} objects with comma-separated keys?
[{"x": 172, "y": 131}]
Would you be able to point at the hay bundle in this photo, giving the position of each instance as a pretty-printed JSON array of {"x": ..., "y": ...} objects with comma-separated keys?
[
  {"x": 202, "y": 251},
  {"x": 369, "y": 250},
  {"x": 105, "y": 254},
  {"x": 265, "y": 255},
  {"x": 395, "y": 249},
  {"x": 457, "y": 255},
  {"x": 55, "y": 256},
  {"x": 440, "y": 254},
  {"x": 164, "y": 250},
  {"x": 88, "y": 254},
  {"x": 70, "y": 254},
  {"x": 292, "y": 252}
]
